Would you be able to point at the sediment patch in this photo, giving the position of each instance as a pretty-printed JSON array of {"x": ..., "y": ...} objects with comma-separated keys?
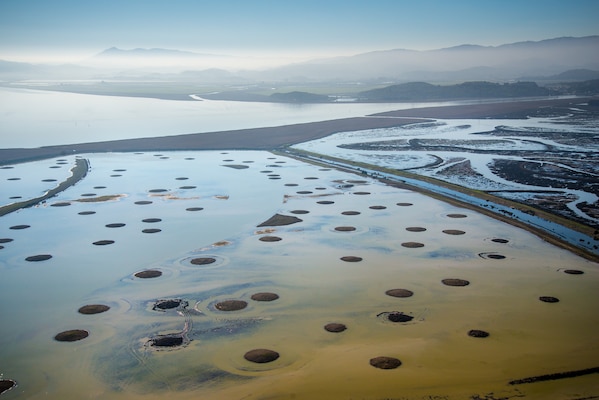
[
  {"x": 335, "y": 327},
  {"x": 261, "y": 356},
  {"x": 280, "y": 220},
  {"x": 93, "y": 309},
  {"x": 231, "y": 305},
  {"x": 149, "y": 273},
  {"x": 384, "y": 362},
  {"x": 72, "y": 335}
]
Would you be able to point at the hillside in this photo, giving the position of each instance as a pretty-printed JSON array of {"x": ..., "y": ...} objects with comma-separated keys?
[{"x": 420, "y": 91}]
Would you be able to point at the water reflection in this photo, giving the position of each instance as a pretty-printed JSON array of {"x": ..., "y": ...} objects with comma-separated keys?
[{"x": 212, "y": 261}]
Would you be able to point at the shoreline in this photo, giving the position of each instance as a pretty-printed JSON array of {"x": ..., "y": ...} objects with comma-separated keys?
[{"x": 269, "y": 138}]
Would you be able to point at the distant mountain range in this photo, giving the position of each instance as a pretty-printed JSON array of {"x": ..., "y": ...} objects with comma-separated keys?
[{"x": 565, "y": 58}]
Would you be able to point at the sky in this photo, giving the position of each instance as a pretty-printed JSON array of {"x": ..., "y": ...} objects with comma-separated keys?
[{"x": 70, "y": 30}]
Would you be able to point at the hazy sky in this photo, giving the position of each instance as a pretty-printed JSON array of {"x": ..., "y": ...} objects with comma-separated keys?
[{"x": 79, "y": 28}]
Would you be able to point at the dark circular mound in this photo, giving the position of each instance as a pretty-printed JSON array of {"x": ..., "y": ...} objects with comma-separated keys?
[
  {"x": 335, "y": 327},
  {"x": 498, "y": 240},
  {"x": 270, "y": 239},
  {"x": 574, "y": 272},
  {"x": 289, "y": 184},
  {"x": 61, "y": 204},
  {"x": 48, "y": 180},
  {"x": 453, "y": 232},
  {"x": 549, "y": 299},
  {"x": 345, "y": 228},
  {"x": 399, "y": 293},
  {"x": 72, "y": 335},
  {"x": 143, "y": 202},
  {"x": 151, "y": 220},
  {"x": 13, "y": 179},
  {"x": 182, "y": 178},
  {"x": 304, "y": 192},
  {"x": 86, "y": 212},
  {"x": 194, "y": 209},
  {"x": 93, "y": 309},
  {"x": 351, "y": 258},
  {"x": 264, "y": 296},
  {"x": 478, "y": 333},
  {"x": 385, "y": 362},
  {"x": 231, "y": 305},
  {"x": 115, "y": 175},
  {"x": 202, "y": 260},
  {"x": 88, "y": 195},
  {"x": 412, "y": 245},
  {"x": 457, "y": 215},
  {"x": 377, "y": 207},
  {"x": 39, "y": 257},
  {"x": 151, "y": 230},
  {"x": 274, "y": 177},
  {"x": 398, "y": 316},
  {"x": 157, "y": 190},
  {"x": 455, "y": 282},
  {"x": 350, "y": 213},
  {"x": 18, "y": 227},
  {"x": 167, "y": 341},
  {"x": 415, "y": 229},
  {"x": 103, "y": 242},
  {"x": 167, "y": 304},
  {"x": 325, "y": 202},
  {"x": 99, "y": 187},
  {"x": 492, "y": 256},
  {"x": 299, "y": 212},
  {"x": 261, "y": 356},
  {"x": 320, "y": 188},
  {"x": 6, "y": 240},
  {"x": 149, "y": 273},
  {"x": 187, "y": 187},
  {"x": 119, "y": 170},
  {"x": 362, "y": 193},
  {"x": 115, "y": 225},
  {"x": 6, "y": 384},
  {"x": 405, "y": 204},
  {"x": 311, "y": 177}
]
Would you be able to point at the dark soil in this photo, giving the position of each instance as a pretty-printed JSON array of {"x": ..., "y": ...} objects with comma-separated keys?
[
  {"x": 93, "y": 309},
  {"x": 103, "y": 242},
  {"x": 453, "y": 232},
  {"x": 335, "y": 327},
  {"x": 149, "y": 273},
  {"x": 345, "y": 228},
  {"x": 72, "y": 335},
  {"x": 455, "y": 282},
  {"x": 261, "y": 356},
  {"x": 415, "y": 229},
  {"x": 478, "y": 333},
  {"x": 167, "y": 341},
  {"x": 574, "y": 272},
  {"x": 231, "y": 305},
  {"x": 350, "y": 213},
  {"x": 203, "y": 260},
  {"x": 398, "y": 316},
  {"x": 6, "y": 384},
  {"x": 412, "y": 245},
  {"x": 399, "y": 293},
  {"x": 270, "y": 239},
  {"x": 385, "y": 362},
  {"x": 351, "y": 258},
  {"x": 280, "y": 220},
  {"x": 264, "y": 296},
  {"x": 39, "y": 257},
  {"x": 549, "y": 299}
]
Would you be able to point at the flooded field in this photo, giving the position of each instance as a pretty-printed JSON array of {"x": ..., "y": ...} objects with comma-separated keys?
[{"x": 354, "y": 290}]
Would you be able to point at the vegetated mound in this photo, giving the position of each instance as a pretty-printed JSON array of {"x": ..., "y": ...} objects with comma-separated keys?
[
  {"x": 421, "y": 91},
  {"x": 280, "y": 220}
]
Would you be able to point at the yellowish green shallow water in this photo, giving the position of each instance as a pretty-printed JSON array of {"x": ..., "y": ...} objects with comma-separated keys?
[{"x": 527, "y": 338}]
